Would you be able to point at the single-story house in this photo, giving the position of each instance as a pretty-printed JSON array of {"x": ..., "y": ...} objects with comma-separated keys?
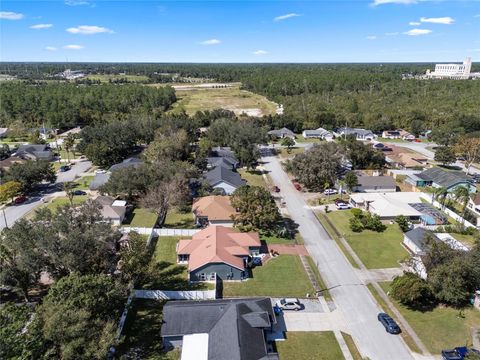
[
  {"x": 101, "y": 179},
  {"x": 3, "y": 132},
  {"x": 8, "y": 162},
  {"x": 218, "y": 252},
  {"x": 219, "y": 329},
  {"x": 34, "y": 152},
  {"x": 222, "y": 156},
  {"x": 282, "y": 133},
  {"x": 213, "y": 210},
  {"x": 213, "y": 162},
  {"x": 74, "y": 131},
  {"x": 360, "y": 134},
  {"x": 133, "y": 161},
  {"x": 319, "y": 133},
  {"x": 406, "y": 161},
  {"x": 438, "y": 177},
  {"x": 406, "y": 135},
  {"x": 474, "y": 204},
  {"x": 416, "y": 240},
  {"x": 381, "y": 147},
  {"x": 430, "y": 214},
  {"x": 370, "y": 184},
  {"x": 388, "y": 205},
  {"x": 391, "y": 134},
  {"x": 112, "y": 210},
  {"x": 225, "y": 179}
]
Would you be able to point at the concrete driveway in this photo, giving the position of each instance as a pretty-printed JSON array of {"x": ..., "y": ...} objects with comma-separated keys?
[{"x": 352, "y": 298}]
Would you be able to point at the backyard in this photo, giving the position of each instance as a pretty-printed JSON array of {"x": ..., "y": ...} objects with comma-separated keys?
[
  {"x": 281, "y": 276},
  {"x": 309, "y": 346},
  {"x": 177, "y": 219},
  {"x": 440, "y": 328},
  {"x": 375, "y": 250},
  {"x": 141, "y": 217}
]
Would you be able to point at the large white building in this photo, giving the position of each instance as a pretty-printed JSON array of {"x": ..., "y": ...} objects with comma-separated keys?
[{"x": 451, "y": 71}]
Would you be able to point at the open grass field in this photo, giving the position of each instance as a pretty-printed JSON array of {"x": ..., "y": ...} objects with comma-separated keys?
[
  {"x": 279, "y": 277},
  {"x": 376, "y": 250},
  {"x": 231, "y": 98},
  {"x": 442, "y": 327},
  {"x": 106, "y": 77},
  {"x": 141, "y": 217},
  {"x": 253, "y": 177},
  {"x": 309, "y": 346},
  {"x": 179, "y": 220}
]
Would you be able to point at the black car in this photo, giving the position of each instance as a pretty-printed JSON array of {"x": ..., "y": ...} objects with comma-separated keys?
[
  {"x": 79, "y": 192},
  {"x": 389, "y": 324},
  {"x": 459, "y": 353}
]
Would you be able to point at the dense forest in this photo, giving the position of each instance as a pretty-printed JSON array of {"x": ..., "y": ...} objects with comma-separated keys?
[{"x": 327, "y": 95}]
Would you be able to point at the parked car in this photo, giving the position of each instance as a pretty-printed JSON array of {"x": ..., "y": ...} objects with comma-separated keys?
[
  {"x": 289, "y": 304},
  {"x": 343, "y": 206},
  {"x": 20, "y": 199},
  {"x": 390, "y": 325},
  {"x": 330, "y": 192},
  {"x": 276, "y": 189},
  {"x": 458, "y": 353},
  {"x": 64, "y": 168},
  {"x": 100, "y": 171},
  {"x": 340, "y": 201},
  {"x": 297, "y": 186},
  {"x": 79, "y": 192}
]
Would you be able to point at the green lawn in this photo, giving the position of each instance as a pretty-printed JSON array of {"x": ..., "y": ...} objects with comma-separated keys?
[
  {"x": 375, "y": 250},
  {"x": 165, "y": 249},
  {"x": 352, "y": 347},
  {"x": 468, "y": 240},
  {"x": 141, "y": 217},
  {"x": 391, "y": 140},
  {"x": 142, "y": 331},
  {"x": 179, "y": 220},
  {"x": 441, "y": 328},
  {"x": 293, "y": 151},
  {"x": 280, "y": 276},
  {"x": 253, "y": 178},
  {"x": 84, "y": 182},
  {"x": 59, "y": 201},
  {"x": 318, "y": 277},
  {"x": 107, "y": 77},
  {"x": 274, "y": 239},
  {"x": 309, "y": 346},
  {"x": 301, "y": 140}
]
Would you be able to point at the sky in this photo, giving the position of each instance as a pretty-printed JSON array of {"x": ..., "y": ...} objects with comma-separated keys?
[{"x": 240, "y": 31}]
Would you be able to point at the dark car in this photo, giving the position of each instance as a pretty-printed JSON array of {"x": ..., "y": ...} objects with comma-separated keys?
[
  {"x": 276, "y": 189},
  {"x": 297, "y": 186},
  {"x": 459, "y": 353},
  {"x": 79, "y": 192},
  {"x": 64, "y": 168},
  {"x": 21, "y": 199},
  {"x": 389, "y": 324}
]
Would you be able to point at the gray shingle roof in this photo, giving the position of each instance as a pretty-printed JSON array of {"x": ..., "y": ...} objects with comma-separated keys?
[
  {"x": 355, "y": 131},
  {"x": 443, "y": 177},
  {"x": 126, "y": 163},
  {"x": 222, "y": 174},
  {"x": 282, "y": 132},
  {"x": 220, "y": 161},
  {"x": 376, "y": 182},
  {"x": 418, "y": 235},
  {"x": 99, "y": 180},
  {"x": 235, "y": 326}
]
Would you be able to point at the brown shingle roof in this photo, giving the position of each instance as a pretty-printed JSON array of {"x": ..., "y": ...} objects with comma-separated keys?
[
  {"x": 213, "y": 207},
  {"x": 217, "y": 244}
]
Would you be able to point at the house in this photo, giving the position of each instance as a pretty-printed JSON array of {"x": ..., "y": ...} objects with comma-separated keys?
[
  {"x": 218, "y": 252},
  {"x": 381, "y": 147},
  {"x": 416, "y": 240},
  {"x": 222, "y": 156},
  {"x": 406, "y": 135},
  {"x": 3, "y": 132},
  {"x": 388, "y": 205},
  {"x": 220, "y": 329},
  {"x": 8, "y": 162},
  {"x": 391, "y": 134},
  {"x": 430, "y": 215},
  {"x": 74, "y": 131},
  {"x": 281, "y": 133},
  {"x": 34, "y": 152},
  {"x": 407, "y": 161},
  {"x": 474, "y": 206},
  {"x": 370, "y": 184},
  {"x": 319, "y": 133},
  {"x": 102, "y": 178},
  {"x": 213, "y": 162},
  {"x": 43, "y": 132},
  {"x": 438, "y": 177},
  {"x": 224, "y": 179},
  {"x": 213, "y": 210},
  {"x": 112, "y": 210},
  {"x": 360, "y": 134}
]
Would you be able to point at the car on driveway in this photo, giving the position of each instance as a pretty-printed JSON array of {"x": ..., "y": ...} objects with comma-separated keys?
[
  {"x": 330, "y": 192},
  {"x": 343, "y": 206},
  {"x": 20, "y": 199},
  {"x": 289, "y": 304},
  {"x": 79, "y": 192},
  {"x": 459, "y": 353},
  {"x": 64, "y": 168},
  {"x": 276, "y": 189},
  {"x": 390, "y": 325}
]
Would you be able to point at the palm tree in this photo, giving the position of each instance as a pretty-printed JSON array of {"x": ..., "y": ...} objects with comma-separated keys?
[
  {"x": 440, "y": 195},
  {"x": 68, "y": 143},
  {"x": 462, "y": 195},
  {"x": 341, "y": 185}
]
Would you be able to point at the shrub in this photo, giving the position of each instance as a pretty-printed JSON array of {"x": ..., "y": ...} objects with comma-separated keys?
[
  {"x": 410, "y": 290},
  {"x": 356, "y": 225},
  {"x": 357, "y": 212},
  {"x": 374, "y": 223},
  {"x": 402, "y": 222}
]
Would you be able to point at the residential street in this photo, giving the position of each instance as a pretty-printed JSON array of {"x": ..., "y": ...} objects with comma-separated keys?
[
  {"x": 350, "y": 294},
  {"x": 15, "y": 212}
]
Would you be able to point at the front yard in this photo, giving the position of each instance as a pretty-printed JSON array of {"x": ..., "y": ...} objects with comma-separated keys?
[
  {"x": 309, "y": 346},
  {"x": 278, "y": 277},
  {"x": 60, "y": 201},
  {"x": 83, "y": 183},
  {"x": 442, "y": 327},
  {"x": 375, "y": 250},
  {"x": 253, "y": 177}
]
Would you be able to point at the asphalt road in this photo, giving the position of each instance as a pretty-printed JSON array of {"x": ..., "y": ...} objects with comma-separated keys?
[
  {"x": 15, "y": 212},
  {"x": 351, "y": 296}
]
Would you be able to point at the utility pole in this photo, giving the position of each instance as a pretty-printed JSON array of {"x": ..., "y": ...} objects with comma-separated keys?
[{"x": 5, "y": 218}]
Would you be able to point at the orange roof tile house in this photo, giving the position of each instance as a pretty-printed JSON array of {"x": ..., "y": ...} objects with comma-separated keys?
[{"x": 213, "y": 210}]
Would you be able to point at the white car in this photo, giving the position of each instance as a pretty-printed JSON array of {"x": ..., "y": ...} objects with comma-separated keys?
[
  {"x": 100, "y": 171},
  {"x": 330, "y": 191},
  {"x": 343, "y": 206},
  {"x": 289, "y": 304}
]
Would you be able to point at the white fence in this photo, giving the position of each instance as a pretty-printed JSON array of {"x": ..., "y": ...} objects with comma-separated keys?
[
  {"x": 176, "y": 295},
  {"x": 175, "y": 232},
  {"x": 449, "y": 212}
]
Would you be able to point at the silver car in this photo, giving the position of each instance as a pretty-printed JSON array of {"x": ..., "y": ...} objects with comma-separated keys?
[{"x": 289, "y": 304}]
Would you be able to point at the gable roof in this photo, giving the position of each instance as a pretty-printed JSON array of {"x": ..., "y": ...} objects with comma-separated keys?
[
  {"x": 354, "y": 131},
  {"x": 281, "y": 132},
  {"x": 99, "y": 180},
  {"x": 126, "y": 163},
  {"x": 235, "y": 327},
  {"x": 222, "y": 174},
  {"x": 418, "y": 235},
  {"x": 443, "y": 177},
  {"x": 217, "y": 244},
  {"x": 213, "y": 207},
  {"x": 109, "y": 210},
  {"x": 376, "y": 182},
  {"x": 221, "y": 161}
]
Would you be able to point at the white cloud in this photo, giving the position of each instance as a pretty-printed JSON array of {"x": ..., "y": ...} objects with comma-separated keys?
[
  {"x": 76, "y": 2},
  {"x": 260, "y": 52},
  {"x": 285, "y": 17},
  {"x": 9, "y": 15},
  {"x": 50, "y": 48},
  {"x": 414, "y": 23},
  {"x": 74, "y": 47},
  {"x": 477, "y": 16},
  {"x": 417, "y": 32},
  {"x": 371, "y": 37},
  {"x": 441, "y": 20},
  {"x": 210, "y": 42},
  {"x": 392, "y": 33},
  {"x": 41, "y": 26},
  {"x": 88, "y": 30},
  {"x": 383, "y": 2}
]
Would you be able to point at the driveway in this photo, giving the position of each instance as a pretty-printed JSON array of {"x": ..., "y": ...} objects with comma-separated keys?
[
  {"x": 77, "y": 169},
  {"x": 352, "y": 298}
]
